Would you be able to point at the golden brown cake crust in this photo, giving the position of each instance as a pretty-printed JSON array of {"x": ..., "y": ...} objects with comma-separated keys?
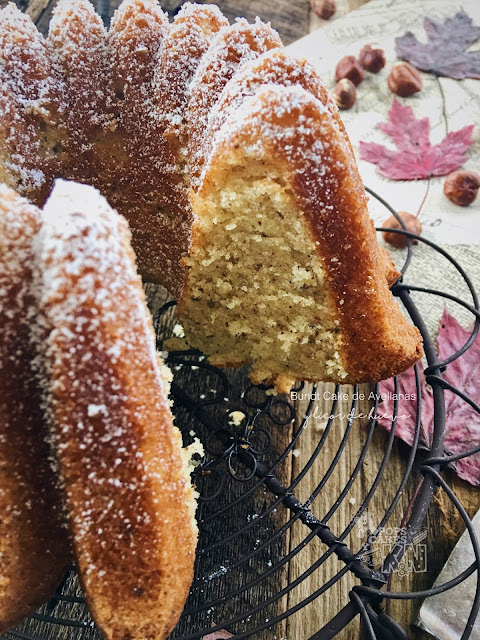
[
  {"x": 34, "y": 544},
  {"x": 388, "y": 265},
  {"x": 94, "y": 106},
  {"x": 188, "y": 39},
  {"x": 273, "y": 67},
  {"x": 78, "y": 50},
  {"x": 378, "y": 342},
  {"x": 127, "y": 488},
  {"x": 29, "y": 100},
  {"x": 160, "y": 235},
  {"x": 232, "y": 47}
]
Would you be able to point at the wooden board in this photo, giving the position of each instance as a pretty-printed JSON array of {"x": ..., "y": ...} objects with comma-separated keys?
[{"x": 291, "y": 19}]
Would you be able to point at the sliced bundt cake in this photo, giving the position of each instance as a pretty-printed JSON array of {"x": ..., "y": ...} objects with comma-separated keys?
[
  {"x": 147, "y": 113},
  {"x": 285, "y": 272}
]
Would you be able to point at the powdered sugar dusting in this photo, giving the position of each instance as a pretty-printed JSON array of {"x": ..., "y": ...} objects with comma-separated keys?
[
  {"x": 33, "y": 540},
  {"x": 276, "y": 117},
  {"x": 188, "y": 39},
  {"x": 119, "y": 455},
  {"x": 232, "y": 46},
  {"x": 128, "y": 134},
  {"x": 94, "y": 107},
  {"x": 155, "y": 183},
  {"x": 77, "y": 41},
  {"x": 135, "y": 38},
  {"x": 146, "y": 195},
  {"x": 29, "y": 94},
  {"x": 273, "y": 67},
  {"x": 28, "y": 76}
]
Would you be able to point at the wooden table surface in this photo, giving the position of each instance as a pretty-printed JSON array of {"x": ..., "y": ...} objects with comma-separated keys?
[{"x": 293, "y": 20}]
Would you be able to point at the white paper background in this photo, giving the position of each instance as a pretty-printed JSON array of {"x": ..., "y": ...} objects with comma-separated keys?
[{"x": 381, "y": 21}]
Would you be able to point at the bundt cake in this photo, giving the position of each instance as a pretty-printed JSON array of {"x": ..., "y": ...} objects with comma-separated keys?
[
  {"x": 120, "y": 459},
  {"x": 229, "y": 161},
  {"x": 34, "y": 542},
  {"x": 146, "y": 113},
  {"x": 284, "y": 271}
]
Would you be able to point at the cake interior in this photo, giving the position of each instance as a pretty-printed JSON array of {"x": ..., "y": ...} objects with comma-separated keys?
[{"x": 256, "y": 286}]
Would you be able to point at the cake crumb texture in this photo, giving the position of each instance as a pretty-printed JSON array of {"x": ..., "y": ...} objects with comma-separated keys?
[{"x": 285, "y": 272}]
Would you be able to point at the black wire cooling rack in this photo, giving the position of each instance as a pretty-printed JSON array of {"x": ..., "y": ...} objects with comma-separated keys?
[{"x": 241, "y": 572}]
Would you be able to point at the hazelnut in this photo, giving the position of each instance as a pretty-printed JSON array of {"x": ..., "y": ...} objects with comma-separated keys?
[
  {"x": 345, "y": 93},
  {"x": 324, "y": 8},
  {"x": 349, "y": 67},
  {"x": 398, "y": 239},
  {"x": 461, "y": 187},
  {"x": 372, "y": 58},
  {"x": 404, "y": 80}
]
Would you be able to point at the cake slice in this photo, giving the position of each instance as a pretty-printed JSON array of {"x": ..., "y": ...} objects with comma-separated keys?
[
  {"x": 125, "y": 476},
  {"x": 34, "y": 541},
  {"x": 285, "y": 272}
]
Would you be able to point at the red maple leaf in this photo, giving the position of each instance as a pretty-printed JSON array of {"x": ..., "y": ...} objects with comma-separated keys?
[
  {"x": 462, "y": 428},
  {"x": 445, "y": 53},
  {"x": 221, "y": 634},
  {"x": 415, "y": 158}
]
